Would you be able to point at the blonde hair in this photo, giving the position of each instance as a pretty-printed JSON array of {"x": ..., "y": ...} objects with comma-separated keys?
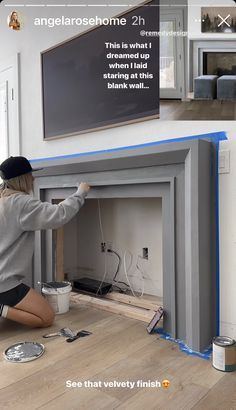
[{"x": 23, "y": 183}]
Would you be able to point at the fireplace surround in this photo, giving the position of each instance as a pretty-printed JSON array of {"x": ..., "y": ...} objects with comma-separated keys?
[
  {"x": 198, "y": 50},
  {"x": 183, "y": 175}
]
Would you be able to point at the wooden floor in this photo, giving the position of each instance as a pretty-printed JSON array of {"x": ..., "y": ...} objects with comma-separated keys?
[
  {"x": 197, "y": 110},
  {"x": 119, "y": 349}
]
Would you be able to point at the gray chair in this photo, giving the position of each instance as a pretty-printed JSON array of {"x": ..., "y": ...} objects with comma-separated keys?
[
  {"x": 226, "y": 87},
  {"x": 205, "y": 86}
]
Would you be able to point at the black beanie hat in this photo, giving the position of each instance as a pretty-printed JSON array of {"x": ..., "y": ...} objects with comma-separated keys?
[{"x": 14, "y": 167}]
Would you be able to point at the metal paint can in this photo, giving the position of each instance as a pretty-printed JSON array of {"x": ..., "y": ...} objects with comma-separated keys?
[
  {"x": 224, "y": 354},
  {"x": 58, "y": 295}
]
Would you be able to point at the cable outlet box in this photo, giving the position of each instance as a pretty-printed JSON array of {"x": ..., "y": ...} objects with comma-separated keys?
[{"x": 92, "y": 286}]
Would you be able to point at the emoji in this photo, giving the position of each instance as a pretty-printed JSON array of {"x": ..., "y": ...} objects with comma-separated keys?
[{"x": 165, "y": 383}]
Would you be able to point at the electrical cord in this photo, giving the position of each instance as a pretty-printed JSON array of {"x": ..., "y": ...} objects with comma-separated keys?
[
  {"x": 118, "y": 268},
  {"x": 121, "y": 290},
  {"x": 119, "y": 262}
]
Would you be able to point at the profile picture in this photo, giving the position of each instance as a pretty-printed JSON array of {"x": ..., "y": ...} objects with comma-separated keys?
[{"x": 13, "y": 21}]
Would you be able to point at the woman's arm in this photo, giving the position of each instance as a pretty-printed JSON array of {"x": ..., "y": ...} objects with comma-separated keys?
[{"x": 37, "y": 215}]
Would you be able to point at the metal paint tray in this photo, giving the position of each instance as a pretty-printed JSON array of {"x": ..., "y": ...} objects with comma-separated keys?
[{"x": 24, "y": 352}]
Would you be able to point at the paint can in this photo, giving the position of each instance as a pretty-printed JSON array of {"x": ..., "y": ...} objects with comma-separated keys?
[
  {"x": 58, "y": 295},
  {"x": 224, "y": 354}
]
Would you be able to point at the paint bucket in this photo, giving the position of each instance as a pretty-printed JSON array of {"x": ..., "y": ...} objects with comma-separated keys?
[
  {"x": 224, "y": 354},
  {"x": 58, "y": 295}
]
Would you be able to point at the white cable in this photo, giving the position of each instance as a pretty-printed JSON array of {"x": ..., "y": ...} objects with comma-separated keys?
[
  {"x": 137, "y": 268},
  {"x": 100, "y": 221},
  {"x": 126, "y": 270},
  {"x": 131, "y": 260}
]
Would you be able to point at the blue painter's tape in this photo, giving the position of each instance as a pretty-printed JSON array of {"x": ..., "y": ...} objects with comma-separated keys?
[
  {"x": 214, "y": 136},
  {"x": 206, "y": 354}
]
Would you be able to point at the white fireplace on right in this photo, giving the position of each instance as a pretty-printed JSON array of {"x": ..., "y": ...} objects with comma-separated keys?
[{"x": 214, "y": 57}]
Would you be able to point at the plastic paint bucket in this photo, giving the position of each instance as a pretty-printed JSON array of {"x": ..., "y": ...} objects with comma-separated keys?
[
  {"x": 58, "y": 295},
  {"x": 224, "y": 354}
]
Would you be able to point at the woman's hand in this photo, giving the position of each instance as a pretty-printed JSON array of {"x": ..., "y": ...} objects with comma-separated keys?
[{"x": 84, "y": 187}]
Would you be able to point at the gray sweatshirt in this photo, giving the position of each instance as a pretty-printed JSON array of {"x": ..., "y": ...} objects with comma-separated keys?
[{"x": 20, "y": 216}]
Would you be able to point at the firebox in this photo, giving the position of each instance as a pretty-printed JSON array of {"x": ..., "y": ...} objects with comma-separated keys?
[
  {"x": 219, "y": 63},
  {"x": 116, "y": 238}
]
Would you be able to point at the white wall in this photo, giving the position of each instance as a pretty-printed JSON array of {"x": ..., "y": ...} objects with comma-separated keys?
[
  {"x": 30, "y": 41},
  {"x": 194, "y": 13},
  {"x": 129, "y": 224},
  {"x": 228, "y": 242}
]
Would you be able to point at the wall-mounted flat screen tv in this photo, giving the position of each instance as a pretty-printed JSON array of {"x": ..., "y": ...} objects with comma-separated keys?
[{"x": 104, "y": 77}]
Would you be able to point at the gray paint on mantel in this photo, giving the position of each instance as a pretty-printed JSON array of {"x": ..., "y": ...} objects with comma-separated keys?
[{"x": 182, "y": 174}]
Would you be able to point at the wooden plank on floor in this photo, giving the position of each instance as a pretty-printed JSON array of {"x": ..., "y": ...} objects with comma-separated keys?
[
  {"x": 114, "y": 307},
  {"x": 133, "y": 301}
]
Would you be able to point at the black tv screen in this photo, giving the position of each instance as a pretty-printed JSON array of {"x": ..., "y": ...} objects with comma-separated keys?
[{"x": 104, "y": 77}]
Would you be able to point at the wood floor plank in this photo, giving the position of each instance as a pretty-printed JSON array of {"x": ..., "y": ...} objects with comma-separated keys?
[
  {"x": 222, "y": 396},
  {"x": 119, "y": 349},
  {"x": 147, "y": 364},
  {"x": 11, "y": 330},
  {"x": 82, "y": 399},
  {"x": 56, "y": 348},
  {"x": 78, "y": 360},
  {"x": 203, "y": 110},
  {"x": 161, "y": 357},
  {"x": 129, "y": 368},
  {"x": 175, "y": 398}
]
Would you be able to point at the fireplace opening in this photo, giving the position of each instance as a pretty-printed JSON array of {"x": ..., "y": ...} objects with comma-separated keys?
[
  {"x": 219, "y": 63},
  {"x": 132, "y": 229}
]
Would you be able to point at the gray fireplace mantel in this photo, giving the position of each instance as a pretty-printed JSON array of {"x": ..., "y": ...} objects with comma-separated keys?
[{"x": 183, "y": 175}]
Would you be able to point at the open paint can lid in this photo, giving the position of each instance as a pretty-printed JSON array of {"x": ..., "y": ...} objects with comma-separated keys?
[
  {"x": 24, "y": 352},
  {"x": 223, "y": 341},
  {"x": 54, "y": 288}
]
